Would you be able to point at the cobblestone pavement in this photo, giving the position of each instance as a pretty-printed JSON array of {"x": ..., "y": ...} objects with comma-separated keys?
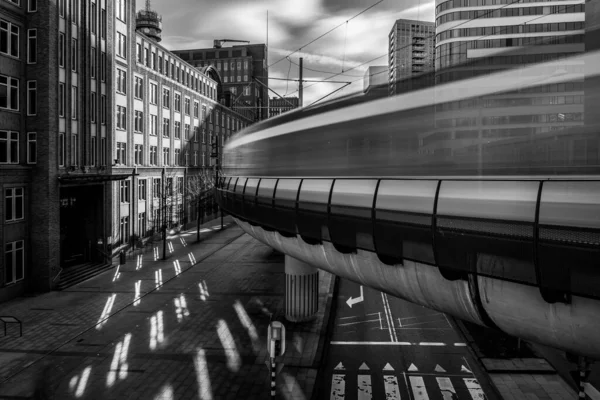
[{"x": 193, "y": 326}]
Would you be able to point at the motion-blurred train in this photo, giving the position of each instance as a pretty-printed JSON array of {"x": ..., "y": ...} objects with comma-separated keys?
[{"x": 478, "y": 197}]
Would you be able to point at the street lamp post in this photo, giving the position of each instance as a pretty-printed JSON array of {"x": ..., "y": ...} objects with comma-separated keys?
[{"x": 164, "y": 212}]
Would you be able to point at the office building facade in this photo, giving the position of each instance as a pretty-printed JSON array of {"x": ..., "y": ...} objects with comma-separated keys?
[
  {"x": 411, "y": 51},
  {"x": 280, "y": 105},
  {"x": 244, "y": 72},
  {"x": 94, "y": 115}
]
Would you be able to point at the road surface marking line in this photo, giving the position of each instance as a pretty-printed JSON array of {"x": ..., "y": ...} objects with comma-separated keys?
[
  {"x": 446, "y": 387},
  {"x": 400, "y": 322},
  {"x": 358, "y": 322},
  {"x": 460, "y": 344},
  {"x": 413, "y": 367},
  {"x": 591, "y": 391},
  {"x": 389, "y": 318},
  {"x": 371, "y": 343},
  {"x": 418, "y": 388},
  {"x": 380, "y": 321},
  {"x": 392, "y": 391},
  {"x": 338, "y": 387},
  {"x": 387, "y": 303},
  {"x": 474, "y": 388},
  {"x": 365, "y": 390},
  {"x": 353, "y": 316},
  {"x": 432, "y": 344}
]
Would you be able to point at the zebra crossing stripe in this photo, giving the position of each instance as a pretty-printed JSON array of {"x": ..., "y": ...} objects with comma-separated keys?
[
  {"x": 474, "y": 388},
  {"x": 392, "y": 391},
  {"x": 446, "y": 387},
  {"x": 365, "y": 390},
  {"x": 338, "y": 387},
  {"x": 418, "y": 388}
]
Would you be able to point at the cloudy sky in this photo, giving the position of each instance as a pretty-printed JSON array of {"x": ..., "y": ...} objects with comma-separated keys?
[{"x": 189, "y": 24}]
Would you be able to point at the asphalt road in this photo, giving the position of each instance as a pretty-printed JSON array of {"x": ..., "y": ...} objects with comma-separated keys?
[{"x": 386, "y": 348}]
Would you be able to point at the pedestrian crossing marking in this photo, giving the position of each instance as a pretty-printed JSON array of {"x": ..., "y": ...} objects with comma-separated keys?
[
  {"x": 365, "y": 390},
  {"x": 413, "y": 367},
  {"x": 465, "y": 369},
  {"x": 363, "y": 366},
  {"x": 340, "y": 366},
  {"x": 474, "y": 388},
  {"x": 418, "y": 388},
  {"x": 446, "y": 387},
  {"x": 388, "y": 367},
  {"x": 338, "y": 387},
  {"x": 392, "y": 391},
  {"x": 439, "y": 369}
]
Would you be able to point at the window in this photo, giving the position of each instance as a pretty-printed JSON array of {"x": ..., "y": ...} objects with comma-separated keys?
[
  {"x": 61, "y": 149},
  {"x": 31, "y": 97},
  {"x": 74, "y": 11},
  {"x": 9, "y": 38},
  {"x": 203, "y": 136},
  {"x": 160, "y": 64},
  {"x": 156, "y": 186},
  {"x": 239, "y": 78},
  {"x": 73, "y": 102},
  {"x": 203, "y": 160},
  {"x": 187, "y": 158},
  {"x": 187, "y": 106},
  {"x": 139, "y": 121},
  {"x": 147, "y": 56},
  {"x": 61, "y": 49},
  {"x": 153, "y": 93},
  {"x": 187, "y": 132},
  {"x": 165, "y": 156},
  {"x": 245, "y": 64},
  {"x": 94, "y": 19},
  {"x": 74, "y": 150},
  {"x": 124, "y": 191},
  {"x": 14, "y": 204},
  {"x": 103, "y": 66},
  {"x": 93, "y": 107},
  {"x": 247, "y": 91},
  {"x": 166, "y": 97},
  {"x": 177, "y": 158},
  {"x": 121, "y": 45},
  {"x": 177, "y": 130},
  {"x": 153, "y": 125},
  {"x": 14, "y": 261},
  {"x": 196, "y": 153},
  {"x": 9, "y": 147},
  {"x": 32, "y": 46},
  {"x": 121, "y": 10},
  {"x": 226, "y": 79},
  {"x": 142, "y": 223},
  {"x": 61, "y": 8},
  {"x": 124, "y": 229},
  {"x": 32, "y": 5},
  {"x": 103, "y": 109},
  {"x": 153, "y": 158},
  {"x": 178, "y": 102},
  {"x": 154, "y": 60},
  {"x": 166, "y": 127},
  {"x": 203, "y": 112},
  {"x": 103, "y": 151},
  {"x": 93, "y": 151},
  {"x": 121, "y": 81},
  {"x": 93, "y": 64},
  {"x": 74, "y": 55},
  {"x": 121, "y": 117},
  {"x": 31, "y": 148},
  {"x": 139, "y": 87},
  {"x": 180, "y": 184},
  {"x": 196, "y": 106},
  {"x": 9, "y": 93},
  {"x": 138, "y": 154},
  {"x": 103, "y": 23},
  {"x": 196, "y": 133},
  {"x": 121, "y": 148}
]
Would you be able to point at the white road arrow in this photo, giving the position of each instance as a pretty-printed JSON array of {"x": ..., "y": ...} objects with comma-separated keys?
[{"x": 351, "y": 301}]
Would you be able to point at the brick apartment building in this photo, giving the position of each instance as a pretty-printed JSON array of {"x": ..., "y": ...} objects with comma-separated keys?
[
  {"x": 280, "y": 105},
  {"x": 93, "y": 116}
]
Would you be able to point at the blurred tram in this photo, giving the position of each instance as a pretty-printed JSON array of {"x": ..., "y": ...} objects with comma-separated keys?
[{"x": 477, "y": 197}]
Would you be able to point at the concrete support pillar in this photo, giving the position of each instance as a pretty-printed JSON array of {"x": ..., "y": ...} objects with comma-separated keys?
[{"x": 301, "y": 290}]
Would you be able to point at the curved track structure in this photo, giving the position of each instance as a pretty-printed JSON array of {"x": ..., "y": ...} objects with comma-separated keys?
[{"x": 495, "y": 221}]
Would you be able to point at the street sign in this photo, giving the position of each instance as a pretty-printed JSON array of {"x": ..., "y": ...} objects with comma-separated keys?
[{"x": 276, "y": 339}]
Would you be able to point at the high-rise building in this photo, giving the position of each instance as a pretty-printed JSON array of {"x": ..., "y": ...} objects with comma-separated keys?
[
  {"x": 411, "y": 50},
  {"x": 244, "y": 72},
  {"x": 497, "y": 35},
  {"x": 280, "y": 105},
  {"x": 99, "y": 123}
]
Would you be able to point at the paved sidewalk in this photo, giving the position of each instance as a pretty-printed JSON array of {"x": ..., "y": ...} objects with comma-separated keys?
[
  {"x": 192, "y": 326},
  {"x": 521, "y": 378}
]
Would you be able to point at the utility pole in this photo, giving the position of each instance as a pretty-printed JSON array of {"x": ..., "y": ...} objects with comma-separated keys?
[{"x": 300, "y": 88}]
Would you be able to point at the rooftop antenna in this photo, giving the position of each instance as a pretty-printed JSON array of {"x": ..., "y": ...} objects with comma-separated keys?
[{"x": 147, "y": 5}]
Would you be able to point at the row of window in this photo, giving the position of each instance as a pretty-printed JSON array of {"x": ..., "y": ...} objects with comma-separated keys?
[
  {"x": 93, "y": 150},
  {"x": 9, "y": 147},
  {"x": 509, "y": 102},
  {"x": 180, "y": 159},
  {"x": 508, "y": 12},
  {"x": 31, "y": 4},
  {"x": 509, "y": 29},
  {"x": 171, "y": 68},
  {"x": 478, "y": 3},
  {"x": 510, "y": 119},
  {"x": 172, "y": 187},
  {"x": 9, "y": 94}
]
